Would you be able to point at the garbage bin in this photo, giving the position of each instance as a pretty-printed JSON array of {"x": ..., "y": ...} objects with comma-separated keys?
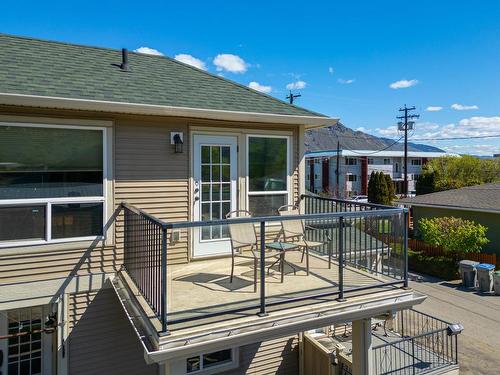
[
  {"x": 496, "y": 281},
  {"x": 485, "y": 276},
  {"x": 468, "y": 273}
]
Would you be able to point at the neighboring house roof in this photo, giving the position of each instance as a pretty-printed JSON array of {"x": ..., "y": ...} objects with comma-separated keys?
[
  {"x": 325, "y": 140},
  {"x": 47, "y": 69},
  {"x": 472, "y": 198}
]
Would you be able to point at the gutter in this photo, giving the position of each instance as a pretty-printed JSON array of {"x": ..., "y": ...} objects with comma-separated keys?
[{"x": 161, "y": 110}]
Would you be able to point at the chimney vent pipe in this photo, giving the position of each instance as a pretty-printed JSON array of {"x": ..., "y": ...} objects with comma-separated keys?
[{"x": 124, "y": 65}]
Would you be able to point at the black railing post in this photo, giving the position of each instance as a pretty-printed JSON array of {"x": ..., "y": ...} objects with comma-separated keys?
[
  {"x": 405, "y": 249},
  {"x": 413, "y": 355},
  {"x": 341, "y": 260},
  {"x": 163, "y": 307},
  {"x": 262, "y": 269}
]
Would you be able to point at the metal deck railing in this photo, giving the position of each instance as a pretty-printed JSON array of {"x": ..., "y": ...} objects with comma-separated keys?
[{"x": 346, "y": 231}]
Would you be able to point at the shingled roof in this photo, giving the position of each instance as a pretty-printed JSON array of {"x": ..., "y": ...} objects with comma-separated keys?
[
  {"x": 54, "y": 69},
  {"x": 479, "y": 197}
]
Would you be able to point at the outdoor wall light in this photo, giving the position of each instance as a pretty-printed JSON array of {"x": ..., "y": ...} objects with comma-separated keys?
[
  {"x": 176, "y": 139},
  {"x": 455, "y": 329}
]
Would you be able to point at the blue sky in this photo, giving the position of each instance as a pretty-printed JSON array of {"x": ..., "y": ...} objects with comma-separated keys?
[{"x": 343, "y": 56}]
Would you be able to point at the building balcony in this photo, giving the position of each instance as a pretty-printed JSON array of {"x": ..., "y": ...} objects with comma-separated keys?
[{"x": 357, "y": 268}]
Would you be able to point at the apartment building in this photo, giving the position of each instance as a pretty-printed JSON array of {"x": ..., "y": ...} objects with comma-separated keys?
[
  {"x": 119, "y": 252},
  {"x": 356, "y": 166}
]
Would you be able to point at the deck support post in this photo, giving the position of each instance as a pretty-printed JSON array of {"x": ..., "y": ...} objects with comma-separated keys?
[
  {"x": 362, "y": 361},
  {"x": 262, "y": 269},
  {"x": 164, "y": 330},
  {"x": 341, "y": 260},
  {"x": 405, "y": 235}
]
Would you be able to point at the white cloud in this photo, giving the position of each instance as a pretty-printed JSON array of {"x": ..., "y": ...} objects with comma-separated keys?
[
  {"x": 148, "y": 51},
  {"x": 477, "y": 149},
  {"x": 403, "y": 84},
  {"x": 330, "y": 69},
  {"x": 477, "y": 126},
  {"x": 262, "y": 88},
  {"x": 361, "y": 129},
  {"x": 433, "y": 108},
  {"x": 297, "y": 85},
  {"x": 190, "y": 60},
  {"x": 230, "y": 63},
  {"x": 461, "y": 107},
  {"x": 345, "y": 81}
]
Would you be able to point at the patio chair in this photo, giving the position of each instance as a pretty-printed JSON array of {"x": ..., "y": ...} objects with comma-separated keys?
[
  {"x": 244, "y": 242},
  {"x": 294, "y": 233}
]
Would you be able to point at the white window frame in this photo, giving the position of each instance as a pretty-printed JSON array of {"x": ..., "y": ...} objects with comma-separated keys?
[
  {"x": 180, "y": 366},
  {"x": 388, "y": 160},
  {"x": 416, "y": 162},
  {"x": 48, "y": 202},
  {"x": 288, "y": 171}
]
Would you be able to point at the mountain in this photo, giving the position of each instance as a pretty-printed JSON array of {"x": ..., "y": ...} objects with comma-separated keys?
[{"x": 325, "y": 139}]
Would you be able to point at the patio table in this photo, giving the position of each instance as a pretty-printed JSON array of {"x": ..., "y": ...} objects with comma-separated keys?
[{"x": 282, "y": 248}]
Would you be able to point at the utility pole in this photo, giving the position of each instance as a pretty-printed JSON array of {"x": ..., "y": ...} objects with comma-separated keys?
[
  {"x": 291, "y": 97},
  {"x": 337, "y": 172},
  {"x": 405, "y": 126}
]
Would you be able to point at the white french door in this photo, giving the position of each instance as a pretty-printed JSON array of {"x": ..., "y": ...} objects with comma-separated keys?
[{"x": 215, "y": 174}]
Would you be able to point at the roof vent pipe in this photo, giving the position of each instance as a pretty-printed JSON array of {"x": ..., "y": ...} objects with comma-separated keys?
[{"x": 124, "y": 65}]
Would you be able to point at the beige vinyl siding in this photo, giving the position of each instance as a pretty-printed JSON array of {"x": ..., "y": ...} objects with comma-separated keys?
[
  {"x": 52, "y": 263},
  {"x": 274, "y": 357},
  {"x": 147, "y": 173},
  {"x": 98, "y": 344},
  {"x": 151, "y": 176}
]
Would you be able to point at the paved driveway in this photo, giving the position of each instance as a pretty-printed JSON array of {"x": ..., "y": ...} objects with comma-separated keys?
[{"x": 479, "y": 344}]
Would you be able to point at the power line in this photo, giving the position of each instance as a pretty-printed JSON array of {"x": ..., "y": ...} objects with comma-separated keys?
[
  {"x": 374, "y": 152},
  {"x": 456, "y": 138}
]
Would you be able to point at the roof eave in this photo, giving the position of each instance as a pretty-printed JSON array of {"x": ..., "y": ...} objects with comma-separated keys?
[{"x": 160, "y": 110}]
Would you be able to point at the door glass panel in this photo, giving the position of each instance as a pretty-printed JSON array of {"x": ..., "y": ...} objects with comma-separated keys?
[
  {"x": 25, "y": 352},
  {"x": 216, "y": 195},
  {"x": 205, "y": 154}
]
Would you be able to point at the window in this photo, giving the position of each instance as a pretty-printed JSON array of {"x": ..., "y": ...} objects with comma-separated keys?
[
  {"x": 351, "y": 161},
  {"x": 352, "y": 177},
  {"x": 416, "y": 161},
  {"x": 51, "y": 183},
  {"x": 202, "y": 362},
  {"x": 267, "y": 174},
  {"x": 370, "y": 161},
  {"x": 315, "y": 176},
  {"x": 387, "y": 161}
]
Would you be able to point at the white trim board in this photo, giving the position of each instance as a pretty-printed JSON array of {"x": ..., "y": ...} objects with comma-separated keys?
[{"x": 162, "y": 110}]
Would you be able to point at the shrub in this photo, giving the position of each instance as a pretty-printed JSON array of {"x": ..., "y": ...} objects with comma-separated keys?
[
  {"x": 455, "y": 235},
  {"x": 438, "y": 266}
]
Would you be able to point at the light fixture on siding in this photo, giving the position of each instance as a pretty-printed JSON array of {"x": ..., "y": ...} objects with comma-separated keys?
[{"x": 176, "y": 139}]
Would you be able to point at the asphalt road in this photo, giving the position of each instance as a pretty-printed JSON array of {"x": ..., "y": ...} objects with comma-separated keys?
[{"x": 479, "y": 343}]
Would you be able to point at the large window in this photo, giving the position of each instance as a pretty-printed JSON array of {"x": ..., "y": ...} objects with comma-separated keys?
[
  {"x": 267, "y": 174},
  {"x": 51, "y": 183}
]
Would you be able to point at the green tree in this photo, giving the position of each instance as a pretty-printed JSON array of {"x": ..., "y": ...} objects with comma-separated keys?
[
  {"x": 455, "y": 235},
  {"x": 391, "y": 193},
  {"x": 378, "y": 189},
  {"x": 449, "y": 172}
]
